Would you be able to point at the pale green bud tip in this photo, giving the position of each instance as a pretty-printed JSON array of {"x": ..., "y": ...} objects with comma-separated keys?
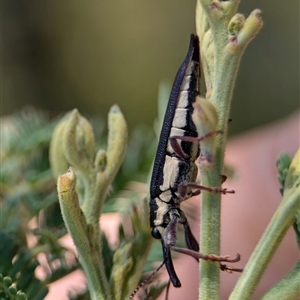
[
  {"x": 117, "y": 138},
  {"x": 66, "y": 182},
  {"x": 236, "y": 24},
  {"x": 293, "y": 176},
  {"x": 206, "y": 119},
  {"x": 220, "y": 9},
  {"x": 74, "y": 112},
  {"x": 115, "y": 109},
  {"x": 100, "y": 160},
  {"x": 58, "y": 161},
  {"x": 241, "y": 34},
  {"x": 205, "y": 116},
  {"x": 85, "y": 137},
  {"x": 74, "y": 115},
  {"x": 78, "y": 142},
  {"x": 216, "y": 9}
]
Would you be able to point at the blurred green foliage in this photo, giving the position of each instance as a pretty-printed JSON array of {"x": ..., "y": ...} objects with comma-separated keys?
[
  {"x": 58, "y": 55},
  {"x": 29, "y": 193}
]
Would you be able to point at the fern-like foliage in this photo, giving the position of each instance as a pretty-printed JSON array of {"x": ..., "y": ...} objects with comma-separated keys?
[
  {"x": 8, "y": 291},
  {"x": 19, "y": 266}
]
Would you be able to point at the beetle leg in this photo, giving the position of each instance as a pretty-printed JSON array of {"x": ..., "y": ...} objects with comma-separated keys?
[
  {"x": 170, "y": 232},
  {"x": 223, "y": 178},
  {"x": 169, "y": 240},
  {"x": 195, "y": 193},
  {"x": 211, "y": 257},
  {"x": 182, "y": 189},
  {"x": 190, "y": 240},
  {"x": 230, "y": 269},
  {"x": 169, "y": 265},
  {"x": 176, "y": 147},
  {"x": 193, "y": 139}
]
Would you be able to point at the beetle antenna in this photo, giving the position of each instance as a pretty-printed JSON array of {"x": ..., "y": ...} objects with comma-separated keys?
[
  {"x": 167, "y": 290},
  {"x": 146, "y": 280}
]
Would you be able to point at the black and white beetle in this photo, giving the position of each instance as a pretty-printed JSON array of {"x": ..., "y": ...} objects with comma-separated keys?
[{"x": 174, "y": 171}]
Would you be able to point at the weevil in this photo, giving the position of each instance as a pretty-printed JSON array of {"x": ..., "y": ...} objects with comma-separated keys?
[{"x": 175, "y": 171}]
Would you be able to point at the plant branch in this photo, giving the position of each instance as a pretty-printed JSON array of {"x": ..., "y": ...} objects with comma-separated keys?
[
  {"x": 73, "y": 143},
  {"x": 79, "y": 230},
  {"x": 224, "y": 35},
  {"x": 283, "y": 219},
  {"x": 106, "y": 164}
]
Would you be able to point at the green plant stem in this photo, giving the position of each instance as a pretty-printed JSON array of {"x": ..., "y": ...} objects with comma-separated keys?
[
  {"x": 222, "y": 53},
  {"x": 283, "y": 219},
  {"x": 211, "y": 203},
  {"x": 225, "y": 67},
  {"x": 209, "y": 240},
  {"x": 81, "y": 234}
]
